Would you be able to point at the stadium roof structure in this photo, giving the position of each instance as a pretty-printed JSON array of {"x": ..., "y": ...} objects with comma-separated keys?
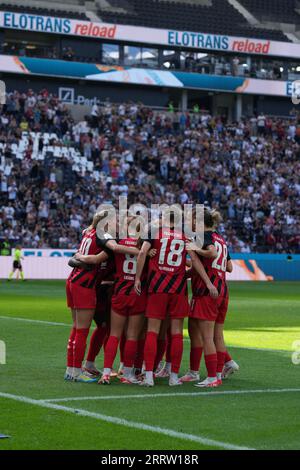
[{"x": 223, "y": 17}]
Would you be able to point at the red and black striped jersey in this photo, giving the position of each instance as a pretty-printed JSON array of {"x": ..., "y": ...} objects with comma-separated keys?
[
  {"x": 90, "y": 245},
  {"x": 125, "y": 269},
  {"x": 166, "y": 272},
  {"x": 215, "y": 269}
]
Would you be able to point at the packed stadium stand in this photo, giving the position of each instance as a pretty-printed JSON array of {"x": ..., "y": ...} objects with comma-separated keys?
[
  {"x": 55, "y": 172},
  {"x": 273, "y": 10},
  {"x": 220, "y": 18}
]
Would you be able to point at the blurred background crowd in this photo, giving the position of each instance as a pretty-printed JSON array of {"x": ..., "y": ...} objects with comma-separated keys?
[{"x": 249, "y": 170}]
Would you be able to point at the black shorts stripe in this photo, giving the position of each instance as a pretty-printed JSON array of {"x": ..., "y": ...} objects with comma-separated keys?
[
  {"x": 181, "y": 286},
  {"x": 170, "y": 284},
  {"x": 159, "y": 282},
  {"x": 213, "y": 278},
  {"x": 220, "y": 286}
]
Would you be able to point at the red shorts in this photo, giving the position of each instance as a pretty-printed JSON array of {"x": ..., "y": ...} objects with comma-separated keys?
[
  {"x": 162, "y": 305},
  {"x": 206, "y": 308},
  {"x": 79, "y": 297},
  {"x": 129, "y": 305}
]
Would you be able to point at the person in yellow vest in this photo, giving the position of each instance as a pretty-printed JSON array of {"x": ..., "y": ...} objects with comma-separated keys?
[{"x": 17, "y": 266}]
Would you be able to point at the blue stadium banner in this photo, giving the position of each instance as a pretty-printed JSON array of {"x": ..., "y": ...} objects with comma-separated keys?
[{"x": 146, "y": 77}]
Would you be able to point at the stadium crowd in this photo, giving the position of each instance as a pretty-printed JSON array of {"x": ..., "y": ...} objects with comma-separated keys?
[{"x": 248, "y": 169}]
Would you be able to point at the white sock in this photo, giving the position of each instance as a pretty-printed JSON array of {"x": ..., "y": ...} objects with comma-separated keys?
[
  {"x": 127, "y": 371},
  {"x": 194, "y": 372},
  {"x": 168, "y": 366},
  {"x": 106, "y": 371},
  {"x": 219, "y": 375},
  {"x": 90, "y": 365},
  {"x": 229, "y": 363},
  {"x": 121, "y": 365},
  {"x": 76, "y": 372},
  {"x": 174, "y": 376},
  {"x": 69, "y": 370},
  {"x": 149, "y": 375}
]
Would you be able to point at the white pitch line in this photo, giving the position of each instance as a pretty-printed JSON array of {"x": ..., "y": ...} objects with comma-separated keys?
[
  {"x": 124, "y": 422},
  {"x": 167, "y": 395},
  {"x": 50, "y": 323},
  {"x": 40, "y": 322}
]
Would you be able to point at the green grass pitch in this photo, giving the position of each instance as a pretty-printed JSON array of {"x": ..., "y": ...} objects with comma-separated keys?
[{"x": 258, "y": 408}]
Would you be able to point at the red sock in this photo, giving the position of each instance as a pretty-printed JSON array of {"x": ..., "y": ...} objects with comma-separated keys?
[
  {"x": 130, "y": 352},
  {"x": 122, "y": 347},
  {"x": 96, "y": 342},
  {"x": 176, "y": 352},
  {"x": 168, "y": 350},
  {"x": 150, "y": 350},
  {"x": 106, "y": 337},
  {"x": 211, "y": 362},
  {"x": 195, "y": 358},
  {"x": 221, "y": 361},
  {"x": 139, "y": 359},
  {"x": 227, "y": 357},
  {"x": 161, "y": 349},
  {"x": 110, "y": 352},
  {"x": 70, "y": 348},
  {"x": 79, "y": 346}
]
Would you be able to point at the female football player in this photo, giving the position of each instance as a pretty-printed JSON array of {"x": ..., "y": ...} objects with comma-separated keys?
[
  {"x": 207, "y": 314},
  {"x": 81, "y": 299},
  {"x": 127, "y": 309},
  {"x": 167, "y": 290}
]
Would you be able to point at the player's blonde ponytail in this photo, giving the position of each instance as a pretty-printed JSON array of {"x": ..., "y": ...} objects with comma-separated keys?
[
  {"x": 216, "y": 217},
  {"x": 212, "y": 218},
  {"x": 96, "y": 219}
]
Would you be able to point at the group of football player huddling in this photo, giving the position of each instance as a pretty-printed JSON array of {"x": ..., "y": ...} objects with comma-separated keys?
[{"x": 135, "y": 289}]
